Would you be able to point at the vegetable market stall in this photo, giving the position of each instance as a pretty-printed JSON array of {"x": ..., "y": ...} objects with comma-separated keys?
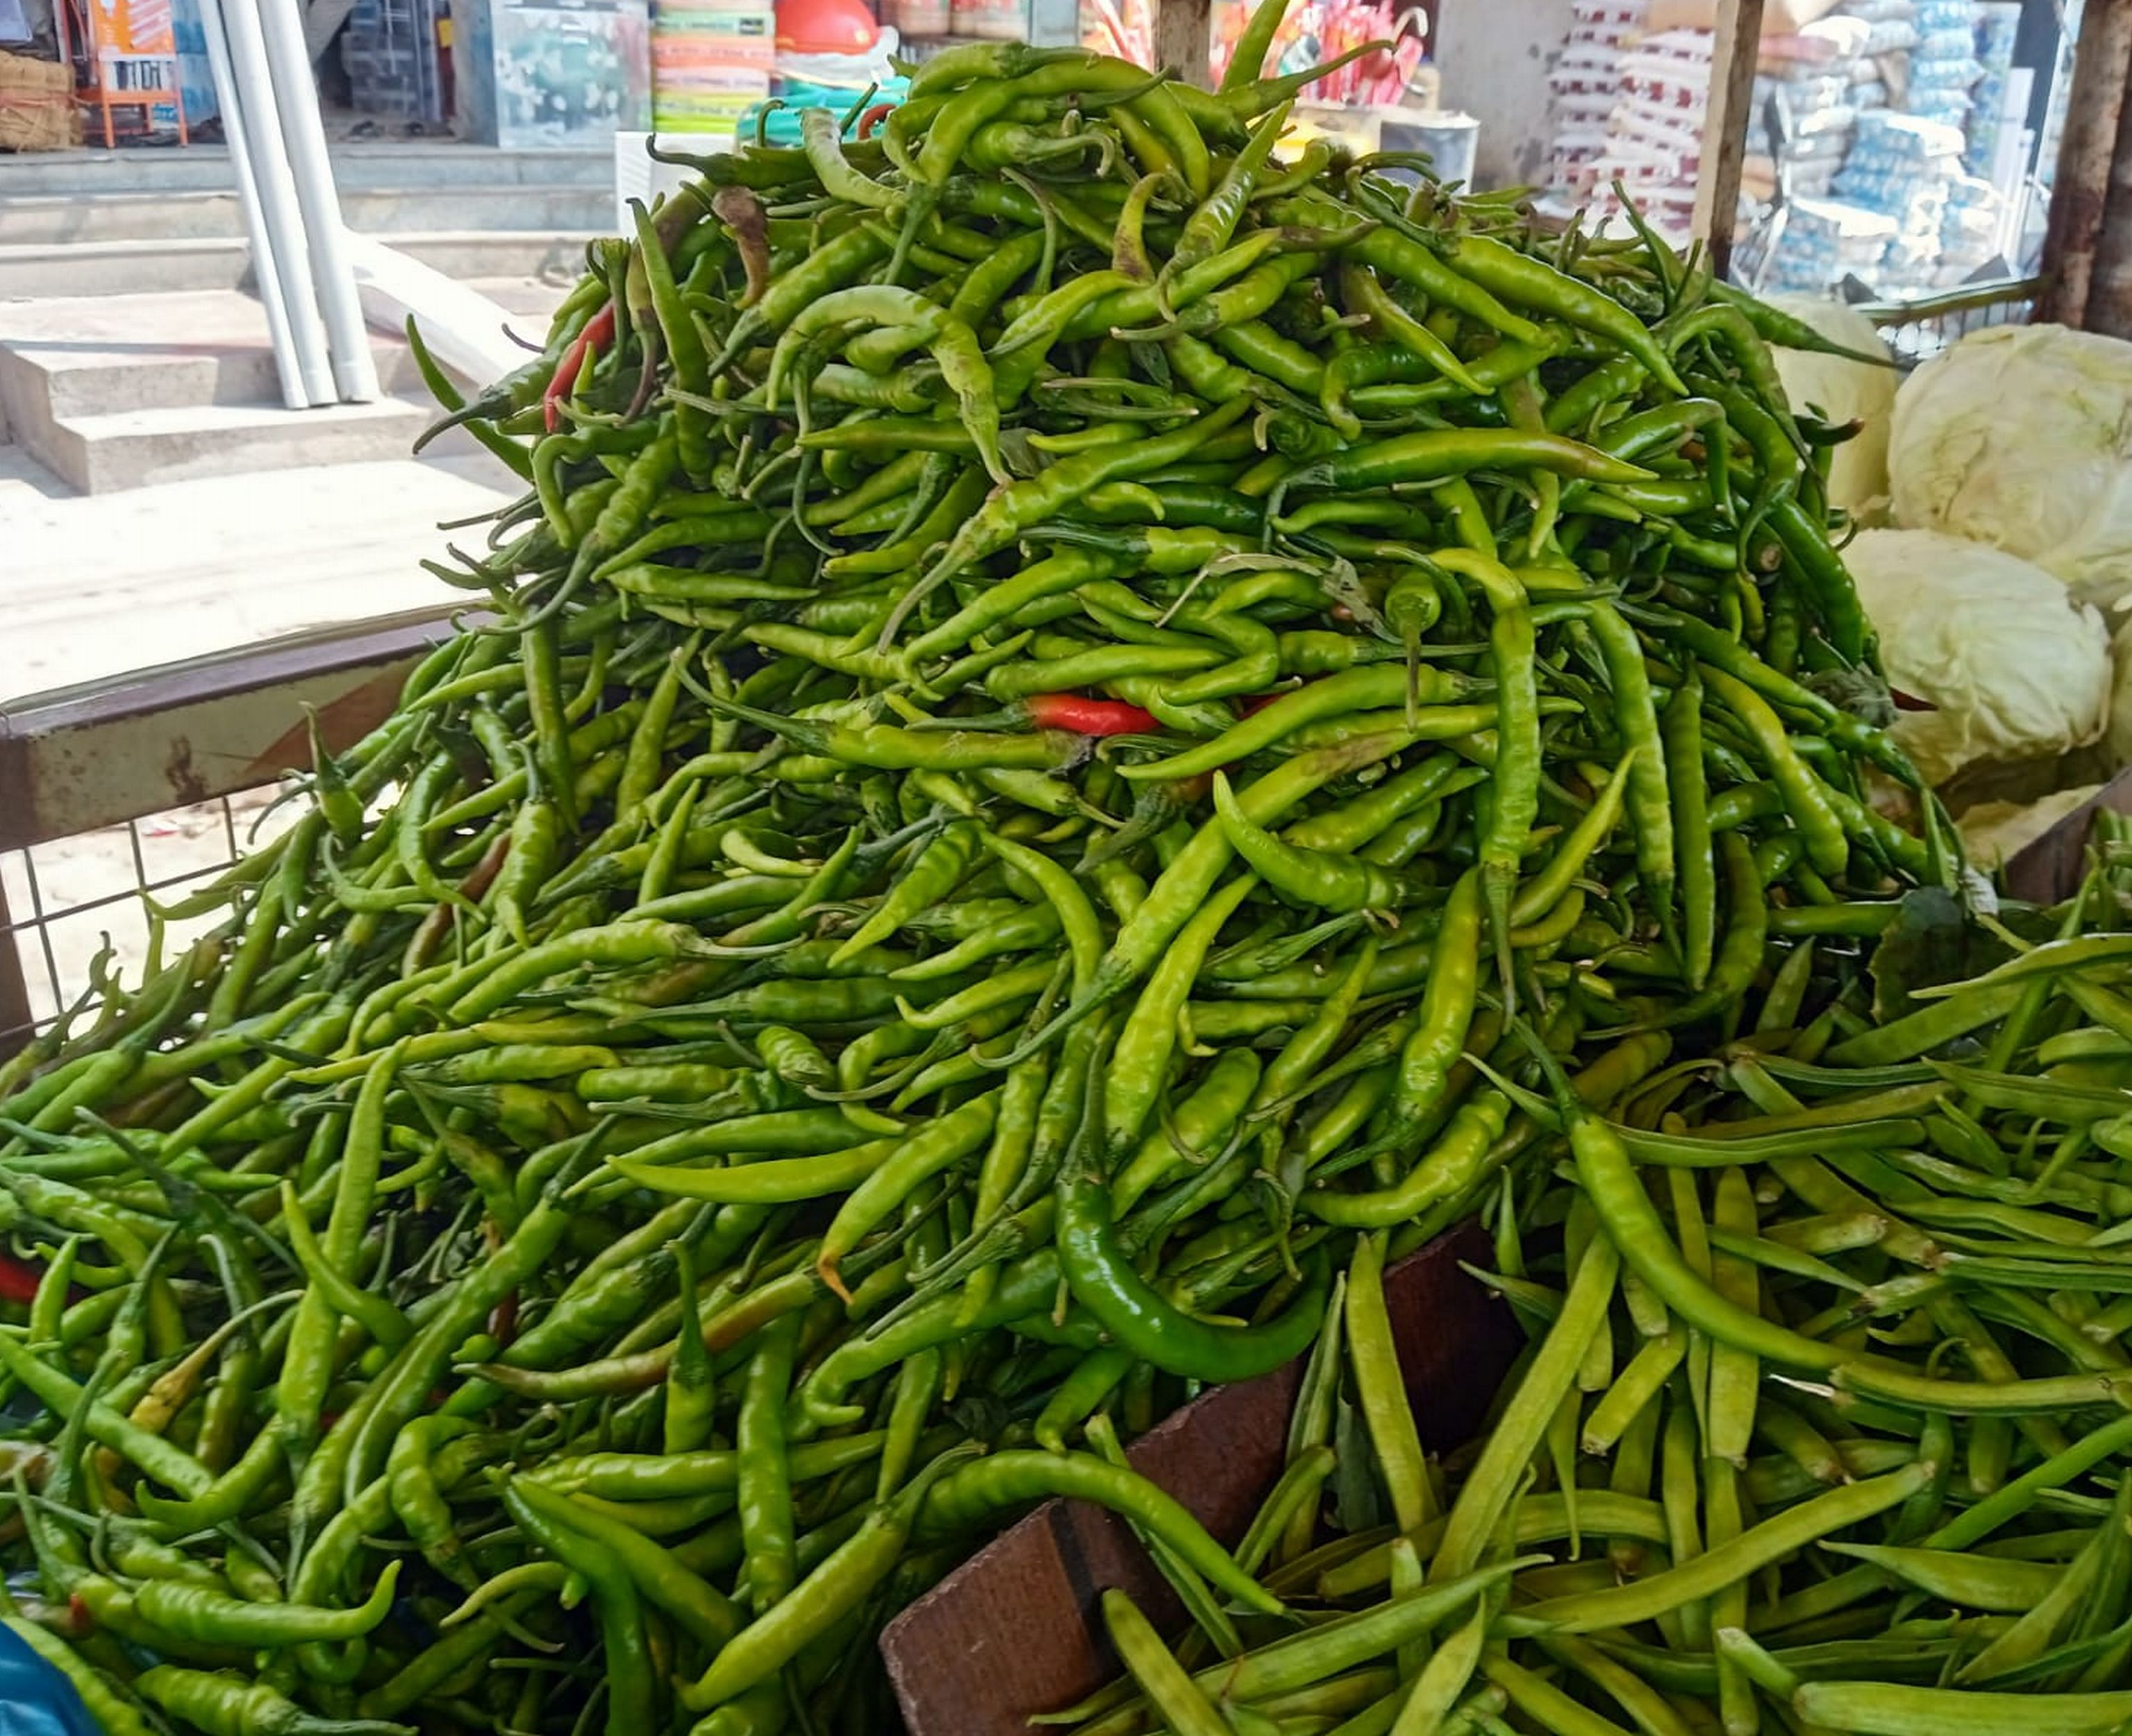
[{"x": 1067, "y": 768}]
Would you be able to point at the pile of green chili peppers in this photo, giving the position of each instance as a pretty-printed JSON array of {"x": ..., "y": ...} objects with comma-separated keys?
[
  {"x": 1066, "y": 699},
  {"x": 1822, "y": 1424}
]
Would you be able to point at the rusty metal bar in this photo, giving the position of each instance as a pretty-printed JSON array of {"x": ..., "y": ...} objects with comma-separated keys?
[
  {"x": 2080, "y": 193},
  {"x": 15, "y": 1018},
  {"x": 79, "y": 758}
]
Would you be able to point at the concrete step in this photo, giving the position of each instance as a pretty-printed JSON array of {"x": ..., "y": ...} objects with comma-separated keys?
[
  {"x": 471, "y": 254},
  {"x": 84, "y": 356},
  {"x": 531, "y": 301},
  {"x": 132, "y": 448},
  {"x": 29, "y": 270},
  {"x": 77, "y": 268},
  {"x": 98, "y": 355},
  {"x": 45, "y": 218},
  {"x": 119, "y": 391},
  {"x": 98, "y": 585},
  {"x": 358, "y": 167}
]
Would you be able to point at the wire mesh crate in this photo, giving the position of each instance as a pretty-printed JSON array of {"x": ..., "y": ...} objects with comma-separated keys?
[
  {"x": 75, "y": 904},
  {"x": 1918, "y": 329},
  {"x": 117, "y": 791}
]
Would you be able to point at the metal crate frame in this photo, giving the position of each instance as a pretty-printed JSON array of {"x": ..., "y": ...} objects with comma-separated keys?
[
  {"x": 1920, "y": 328},
  {"x": 114, "y": 752}
]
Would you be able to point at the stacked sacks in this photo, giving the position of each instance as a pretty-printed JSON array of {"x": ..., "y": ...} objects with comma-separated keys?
[
  {"x": 1943, "y": 66},
  {"x": 1969, "y": 231},
  {"x": 1891, "y": 33},
  {"x": 1881, "y": 72},
  {"x": 1997, "y": 21},
  {"x": 1901, "y": 165},
  {"x": 1826, "y": 240},
  {"x": 1654, "y": 134},
  {"x": 1810, "y": 73},
  {"x": 1585, "y": 82}
]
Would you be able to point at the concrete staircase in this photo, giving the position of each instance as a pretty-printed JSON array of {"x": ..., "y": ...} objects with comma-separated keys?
[
  {"x": 104, "y": 222},
  {"x": 132, "y": 352},
  {"x": 120, "y": 391}
]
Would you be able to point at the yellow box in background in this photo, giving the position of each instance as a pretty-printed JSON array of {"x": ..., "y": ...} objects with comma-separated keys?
[{"x": 1356, "y": 128}]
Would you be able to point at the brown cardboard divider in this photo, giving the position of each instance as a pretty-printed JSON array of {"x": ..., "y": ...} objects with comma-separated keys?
[
  {"x": 1016, "y": 1629},
  {"x": 2050, "y": 868}
]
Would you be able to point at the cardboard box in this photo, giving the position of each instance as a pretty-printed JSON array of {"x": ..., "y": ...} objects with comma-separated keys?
[
  {"x": 2051, "y": 867},
  {"x": 682, "y": 112},
  {"x": 1017, "y": 1629},
  {"x": 37, "y": 108},
  {"x": 753, "y": 33},
  {"x": 684, "y": 76},
  {"x": 710, "y": 64}
]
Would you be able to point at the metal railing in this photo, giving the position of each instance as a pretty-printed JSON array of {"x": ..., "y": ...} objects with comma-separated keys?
[
  {"x": 64, "y": 900},
  {"x": 1918, "y": 329},
  {"x": 143, "y": 783}
]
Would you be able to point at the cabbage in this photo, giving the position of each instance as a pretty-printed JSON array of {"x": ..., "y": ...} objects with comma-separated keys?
[
  {"x": 2014, "y": 667},
  {"x": 1843, "y": 390},
  {"x": 2021, "y": 437}
]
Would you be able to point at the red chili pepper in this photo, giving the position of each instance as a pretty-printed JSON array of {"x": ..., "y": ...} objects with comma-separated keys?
[
  {"x": 1084, "y": 716},
  {"x": 1905, "y": 703},
  {"x": 18, "y": 1280},
  {"x": 597, "y": 335},
  {"x": 503, "y": 1320},
  {"x": 873, "y": 118}
]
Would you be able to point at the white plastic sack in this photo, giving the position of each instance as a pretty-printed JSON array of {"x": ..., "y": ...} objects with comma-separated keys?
[
  {"x": 2021, "y": 437},
  {"x": 2012, "y": 665}
]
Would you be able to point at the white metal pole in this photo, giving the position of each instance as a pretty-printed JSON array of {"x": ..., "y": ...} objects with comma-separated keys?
[
  {"x": 304, "y": 135},
  {"x": 231, "y": 103},
  {"x": 283, "y": 217}
]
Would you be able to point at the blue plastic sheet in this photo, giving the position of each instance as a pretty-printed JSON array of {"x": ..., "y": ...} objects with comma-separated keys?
[{"x": 35, "y": 1698}]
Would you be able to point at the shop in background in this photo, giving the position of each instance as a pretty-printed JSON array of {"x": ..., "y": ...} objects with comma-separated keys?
[
  {"x": 1889, "y": 145},
  {"x": 1631, "y": 89},
  {"x": 568, "y": 73},
  {"x": 520, "y": 73},
  {"x": 1387, "y": 102},
  {"x": 1887, "y": 141},
  {"x": 107, "y": 70}
]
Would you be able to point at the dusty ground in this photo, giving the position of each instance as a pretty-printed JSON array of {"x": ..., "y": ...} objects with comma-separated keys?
[{"x": 95, "y": 587}]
